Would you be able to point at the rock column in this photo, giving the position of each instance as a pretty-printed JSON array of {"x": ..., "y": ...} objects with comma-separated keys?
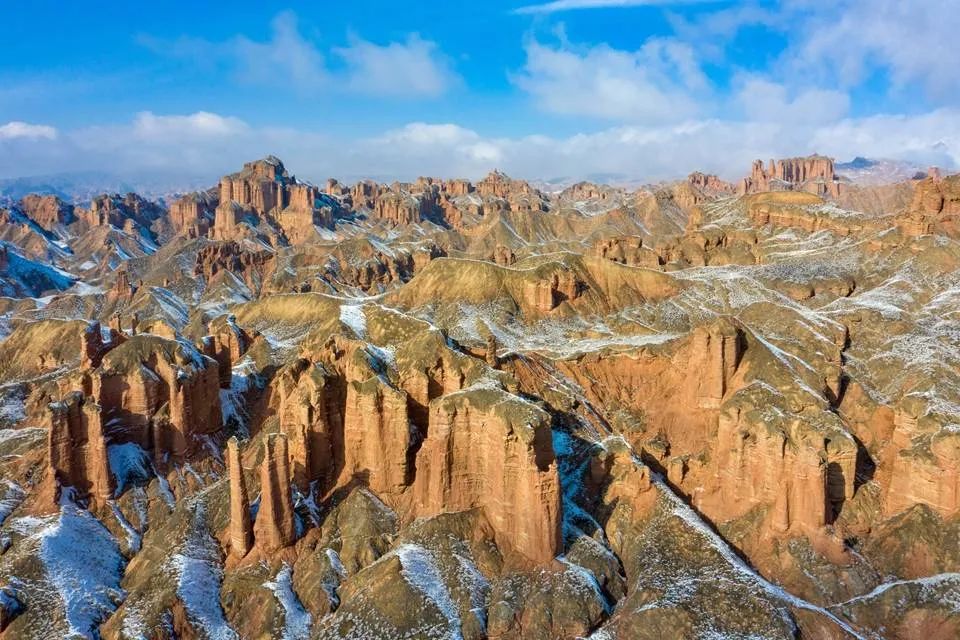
[
  {"x": 241, "y": 531},
  {"x": 275, "y": 528}
]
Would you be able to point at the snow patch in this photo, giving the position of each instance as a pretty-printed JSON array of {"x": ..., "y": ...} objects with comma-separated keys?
[
  {"x": 421, "y": 572},
  {"x": 199, "y": 576},
  {"x": 84, "y": 565},
  {"x": 353, "y": 317},
  {"x": 296, "y": 620},
  {"x": 130, "y": 465}
]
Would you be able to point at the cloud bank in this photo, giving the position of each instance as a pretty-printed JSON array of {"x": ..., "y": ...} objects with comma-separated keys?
[{"x": 207, "y": 144}]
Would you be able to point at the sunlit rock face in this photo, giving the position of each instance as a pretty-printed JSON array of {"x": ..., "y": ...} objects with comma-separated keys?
[{"x": 491, "y": 409}]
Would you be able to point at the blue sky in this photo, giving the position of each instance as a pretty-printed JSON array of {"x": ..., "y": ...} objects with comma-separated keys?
[{"x": 629, "y": 88}]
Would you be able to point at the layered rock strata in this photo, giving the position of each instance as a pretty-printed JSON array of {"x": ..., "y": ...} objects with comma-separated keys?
[
  {"x": 488, "y": 449},
  {"x": 814, "y": 174},
  {"x": 274, "y": 528},
  {"x": 311, "y": 419},
  {"x": 77, "y": 449},
  {"x": 241, "y": 530}
]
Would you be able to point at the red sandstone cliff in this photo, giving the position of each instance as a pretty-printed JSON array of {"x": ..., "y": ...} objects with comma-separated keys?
[{"x": 488, "y": 449}]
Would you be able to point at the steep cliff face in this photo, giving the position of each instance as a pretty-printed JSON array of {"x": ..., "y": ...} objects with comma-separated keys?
[
  {"x": 924, "y": 464},
  {"x": 120, "y": 211},
  {"x": 264, "y": 189},
  {"x": 249, "y": 265},
  {"x": 710, "y": 183},
  {"x": 400, "y": 207},
  {"x": 77, "y": 450},
  {"x": 544, "y": 295},
  {"x": 796, "y": 474},
  {"x": 935, "y": 207},
  {"x": 49, "y": 212},
  {"x": 311, "y": 419},
  {"x": 500, "y": 185},
  {"x": 226, "y": 344},
  {"x": 364, "y": 193},
  {"x": 241, "y": 530},
  {"x": 805, "y": 211},
  {"x": 160, "y": 393},
  {"x": 728, "y": 444},
  {"x": 123, "y": 289},
  {"x": 486, "y": 448},
  {"x": 717, "y": 351},
  {"x": 274, "y": 528},
  {"x": 193, "y": 213},
  {"x": 376, "y": 436}
]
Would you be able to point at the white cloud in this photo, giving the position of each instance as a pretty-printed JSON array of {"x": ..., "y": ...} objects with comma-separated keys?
[
  {"x": 294, "y": 63},
  {"x": 763, "y": 100},
  {"x": 656, "y": 83},
  {"x": 149, "y": 126},
  {"x": 914, "y": 43},
  {"x": 287, "y": 58},
  {"x": 570, "y": 5},
  {"x": 208, "y": 145},
  {"x": 415, "y": 67},
  {"x": 931, "y": 138},
  {"x": 650, "y": 153},
  {"x": 432, "y": 149},
  {"x": 17, "y": 129}
]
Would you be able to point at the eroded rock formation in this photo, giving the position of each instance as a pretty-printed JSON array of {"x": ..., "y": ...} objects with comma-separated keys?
[
  {"x": 814, "y": 174},
  {"x": 241, "y": 531},
  {"x": 193, "y": 213},
  {"x": 160, "y": 393},
  {"x": 488, "y": 449},
  {"x": 263, "y": 189},
  {"x": 935, "y": 207},
  {"x": 376, "y": 436},
  {"x": 310, "y": 418},
  {"x": 49, "y": 212},
  {"x": 274, "y": 528},
  {"x": 77, "y": 449}
]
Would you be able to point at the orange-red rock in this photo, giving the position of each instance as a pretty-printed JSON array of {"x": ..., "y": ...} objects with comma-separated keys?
[
  {"x": 488, "y": 449},
  {"x": 241, "y": 531},
  {"x": 77, "y": 449},
  {"x": 274, "y": 528}
]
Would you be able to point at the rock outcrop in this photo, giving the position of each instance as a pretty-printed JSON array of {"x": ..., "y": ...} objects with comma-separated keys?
[
  {"x": 935, "y": 207},
  {"x": 264, "y": 189},
  {"x": 241, "y": 531},
  {"x": 814, "y": 174},
  {"x": 311, "y": 420},
  {"x": 123, "y": 212},
  {"x": 376, "y": 436},
  {"x": 226, "y": 344},
  {"x": 710, "y": 183},
  {"x": 627, "y": 250},
  {"x": 717, "y": 350},
  {"x": 488, "y": 449},
  {"x": 274, "y": 528},
  {"x": 924, "y": 464},
  {"x": 77, "y": 449},
  {"x": 122, "y": 289},
  {"x": 160, "y": 393},
  {"x": 399, "y": 207},
  {"x": 546, "y": 295},
  {"x": 252, "y": 266},
  {"x": 49, "y": 212},
  {"x": 193, "y": 213}
]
